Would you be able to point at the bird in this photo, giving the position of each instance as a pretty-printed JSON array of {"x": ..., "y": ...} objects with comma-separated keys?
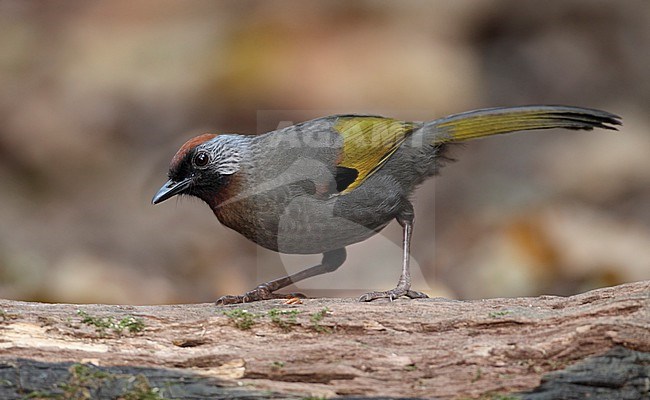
[{"x": 321, "y": 185}]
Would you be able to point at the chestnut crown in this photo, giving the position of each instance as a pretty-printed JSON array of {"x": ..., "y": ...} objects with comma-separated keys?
[{"x": 201, "y": 166}]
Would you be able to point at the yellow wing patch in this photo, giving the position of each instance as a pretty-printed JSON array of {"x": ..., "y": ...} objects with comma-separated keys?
[{"x": 368, "y": 142}]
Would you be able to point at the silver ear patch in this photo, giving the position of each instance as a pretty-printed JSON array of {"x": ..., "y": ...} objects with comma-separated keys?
[{"x": 225, "y": 153}]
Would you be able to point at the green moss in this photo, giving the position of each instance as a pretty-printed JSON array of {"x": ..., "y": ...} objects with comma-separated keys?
[
  {"x": 316, "y": 319},
  {"x": 498, "y": 314},
  {"x": 242, "y": 319},
  {"x": 142, "y": 390},
  {"x": 85, "y": 381},
  {"x": 104, "y": 324},
  {"x": 283, "y": 319},
  {"x": 277, "y": 365}
]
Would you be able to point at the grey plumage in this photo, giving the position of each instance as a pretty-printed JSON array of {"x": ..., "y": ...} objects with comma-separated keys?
[{"x": 319, "y": 186}]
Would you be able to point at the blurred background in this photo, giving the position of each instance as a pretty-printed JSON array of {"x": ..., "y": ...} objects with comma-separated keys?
[{"x": 96, "y": 96}]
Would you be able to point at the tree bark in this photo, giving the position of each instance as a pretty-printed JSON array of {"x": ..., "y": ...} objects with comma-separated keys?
[{"x": 594, "y": 344}]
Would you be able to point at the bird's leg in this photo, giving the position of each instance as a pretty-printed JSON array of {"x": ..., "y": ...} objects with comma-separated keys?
[
  {"x": 405, "y": 219},
  {"x": 330, "y": 262}
]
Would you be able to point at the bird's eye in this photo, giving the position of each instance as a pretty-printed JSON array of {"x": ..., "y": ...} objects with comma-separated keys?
[{"x": 201, "y": 159}]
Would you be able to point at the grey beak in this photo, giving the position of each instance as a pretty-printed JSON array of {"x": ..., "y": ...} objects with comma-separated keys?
[{"x": 171, "y": 189}]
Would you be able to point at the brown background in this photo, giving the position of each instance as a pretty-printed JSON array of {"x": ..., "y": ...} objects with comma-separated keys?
[{"x": 95, "y": 97}]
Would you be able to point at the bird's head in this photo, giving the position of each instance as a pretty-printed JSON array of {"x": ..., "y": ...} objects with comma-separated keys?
[{"x": 201, "y": 167}]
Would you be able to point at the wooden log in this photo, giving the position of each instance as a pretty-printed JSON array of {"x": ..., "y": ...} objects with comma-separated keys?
[{"x": 594, "y": 344}]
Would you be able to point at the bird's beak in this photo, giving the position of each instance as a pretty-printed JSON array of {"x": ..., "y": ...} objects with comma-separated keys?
[{"x": 171, "y": 189}]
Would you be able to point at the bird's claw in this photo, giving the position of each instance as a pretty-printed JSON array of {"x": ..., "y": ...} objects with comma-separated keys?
[
  {"x": 262, "y": 292},
  {"x": 229, "y": 299},
  {"x": 393, "y": 294}
]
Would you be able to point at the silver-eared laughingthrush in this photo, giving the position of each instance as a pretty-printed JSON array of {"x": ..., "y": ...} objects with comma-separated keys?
[{"x": 321, "y": 185}]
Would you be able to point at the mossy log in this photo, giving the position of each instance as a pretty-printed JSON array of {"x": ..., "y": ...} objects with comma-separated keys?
[{"x": 594, "y": 345}]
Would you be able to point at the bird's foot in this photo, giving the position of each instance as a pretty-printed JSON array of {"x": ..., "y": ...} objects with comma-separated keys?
[
  {"x": 262, "y": 292},
  {"x": 393, "y": 294}
]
